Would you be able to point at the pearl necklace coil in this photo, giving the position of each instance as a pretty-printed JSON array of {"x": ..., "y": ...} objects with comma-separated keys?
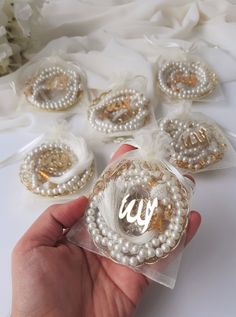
[
  {"x": 186, "y": 80},
  {"x": 195, "y": 144},
  {"x": 54, "y": 88},
  {"x": 120, "y": 111},
  {"x": 124, "y": 241},
  {"x": 46, "y": 163}
]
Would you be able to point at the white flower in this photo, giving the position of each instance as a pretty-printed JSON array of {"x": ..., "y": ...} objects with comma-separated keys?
[{"x": 19, "y": 20}]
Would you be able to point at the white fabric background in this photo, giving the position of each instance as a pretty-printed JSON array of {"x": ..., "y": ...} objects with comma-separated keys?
[{"x": 107, "y": 31}]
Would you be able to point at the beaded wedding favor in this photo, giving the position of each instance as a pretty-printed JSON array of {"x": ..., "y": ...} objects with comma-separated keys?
[
  {"x": 186, "y": 80},
  {"x": 57, "y": 169},
  {"x": 137, "y": 212},
  {"x": 54, "y": 87},
  {"x": 196, "y": 144},
  {"x": 119, "y": 111}
]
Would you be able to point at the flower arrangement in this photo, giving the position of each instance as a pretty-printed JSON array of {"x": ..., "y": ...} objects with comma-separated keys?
[{"x": 18, "y": 24}]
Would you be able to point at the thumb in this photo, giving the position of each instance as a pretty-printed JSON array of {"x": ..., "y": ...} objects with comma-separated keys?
[{"x": 48, "y": 228}]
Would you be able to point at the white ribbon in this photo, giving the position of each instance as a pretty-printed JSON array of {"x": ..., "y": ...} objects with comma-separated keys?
[
  {"x": 153, "y": 147},
  {"x": 85, "y": 159},
  {"x": 10, "y": 122},
  {"x": 20, "y": 153},
  {"x": 185, "y": 181},
  {"x": 184, "y": 46},
  {"x": 78, "y": 145}
]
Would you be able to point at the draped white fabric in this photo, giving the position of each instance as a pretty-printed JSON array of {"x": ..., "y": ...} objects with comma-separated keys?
[
  {"x": 211, "y": 20},
  {"x": 109, "y": 38}
]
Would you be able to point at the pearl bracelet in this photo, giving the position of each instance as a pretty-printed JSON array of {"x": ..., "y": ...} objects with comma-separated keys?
[
  {"x": 54, "y": 88},
  {"x": 52, "y": 160},
  {"x": 123, "y": 110},
  {"x": 186, "y": 80},
  {"x": 195, "y": 144},
  {"x": 143, "y": 181}
]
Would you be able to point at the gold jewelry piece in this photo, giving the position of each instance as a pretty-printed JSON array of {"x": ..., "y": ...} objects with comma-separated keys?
[
  {"x": 187, "y": 80},
  {"x": 49, "y": 161},
  {"x": 137, "y": 212},
  {"x": 54, "y": 88},
  {"x": 124, "y": 110},
  {"x": 196, "y": 145}
]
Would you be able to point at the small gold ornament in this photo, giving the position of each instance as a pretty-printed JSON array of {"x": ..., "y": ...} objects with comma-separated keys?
[
  {"x": 195, "y": 144},
  {"x": 54, "y": 88},
  {"x": 186, "y": 80},
  {"x": 121, "y": 111},
  {"x": 137, "y": 212},
  {"x": 48, "y": 162}
]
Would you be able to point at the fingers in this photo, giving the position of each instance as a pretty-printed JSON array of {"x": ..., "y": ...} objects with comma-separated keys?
[
  {"x": 193, "y": 225},
  {"x": 48, "y": 228},
  {"x": 122, "y": 150}
]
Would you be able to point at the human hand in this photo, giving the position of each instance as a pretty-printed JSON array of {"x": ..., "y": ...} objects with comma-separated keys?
[{"x": 52, "y": 277}]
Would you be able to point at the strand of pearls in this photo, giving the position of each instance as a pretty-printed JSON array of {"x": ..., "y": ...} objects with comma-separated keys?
[
  {"x": 138, "y": 103},
  {"x": 195, "y": 144},
  {"x": 52, "y": 159},
  {"x": 186, "y": 80},
  {"x": 121, "y": 249},
  {"x": 59, "y": 97}
]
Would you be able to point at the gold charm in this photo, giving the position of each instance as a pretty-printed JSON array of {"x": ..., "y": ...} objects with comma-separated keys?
[
  {"x": 48, "y": 162},
  {"x": 137, "y": 212},
  {"x": 122, "y": 111},
  {"x": 54, "y": 88},
  {"x": 186, "y": 80},
  {"x": 196, "y": 145}
]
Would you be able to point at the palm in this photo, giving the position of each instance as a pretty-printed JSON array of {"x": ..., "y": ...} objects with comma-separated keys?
[
  {"x": 115, "y": 289},
  {"x": 72, "y": 282}
]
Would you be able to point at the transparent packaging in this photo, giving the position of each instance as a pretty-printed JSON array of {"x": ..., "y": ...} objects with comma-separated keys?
[
  {"x": 121, "y": 110},
  {"x": 51, "y": 85},
  {"x": 47, "y": 90},
  {"x": 55, "y": 166},
  {"x": 183, "y": 73},
  {"x": 138, "y": 214},
  {"x": 196, "y": 142}
]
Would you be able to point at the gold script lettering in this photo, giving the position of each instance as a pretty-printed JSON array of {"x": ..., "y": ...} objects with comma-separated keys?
[{"x": 127, "y": 212}]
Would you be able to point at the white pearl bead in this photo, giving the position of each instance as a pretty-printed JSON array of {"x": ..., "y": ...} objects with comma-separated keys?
[
  {"x": 170, "y": 242},
  {"x": 118, "y": 256},
  {"x": 159, "y": 252},
  {"x": 143, "y": 252},
  {"x": 90, "y": 219},
  {"x": 175, "y": 235},
  {"x": 91, "y": 226},
  {"x": 134, "y": 249},
  {"x": 110, "y": 245},
  {"x": 90, "y": 212},
  {"x": 98, "y": 239},
  {"x": 95, "y": 232},
  {"x": 125, "y": 260},
  {"x": 155, "y": 242},
  {"x": 133, "y": 261},
  {"x": 165, "y": 248},
  {"x": 150, "y": 252},
  {"x": 162, "y": 238},
  {"x": 140, "y": 258},
  {"x": 104, "y": 241}
]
